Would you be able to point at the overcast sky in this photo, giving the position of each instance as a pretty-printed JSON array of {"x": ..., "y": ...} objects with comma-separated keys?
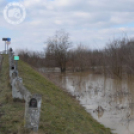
[{"x": 92, "y": 22}]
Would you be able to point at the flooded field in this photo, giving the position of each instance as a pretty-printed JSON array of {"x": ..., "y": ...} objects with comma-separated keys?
[{"x": 109, "y": 101}]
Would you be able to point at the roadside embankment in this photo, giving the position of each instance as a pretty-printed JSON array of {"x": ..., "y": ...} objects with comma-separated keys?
[{"x": 60, "y": 113}]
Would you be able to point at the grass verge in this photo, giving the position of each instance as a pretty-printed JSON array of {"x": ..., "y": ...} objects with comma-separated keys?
[
  {"x": 11, "y": 113},
  {"x": 60, "y": 113}
]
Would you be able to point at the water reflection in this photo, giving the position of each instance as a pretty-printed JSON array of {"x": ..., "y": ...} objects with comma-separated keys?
[{"x": 110, "y": 101}]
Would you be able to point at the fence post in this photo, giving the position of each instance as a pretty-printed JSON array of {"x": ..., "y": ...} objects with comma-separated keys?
[
  {"x": 32, "y": 102},
  {"x": 32, "y": 112}
]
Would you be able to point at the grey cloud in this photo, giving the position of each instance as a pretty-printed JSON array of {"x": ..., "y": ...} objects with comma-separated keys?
[{"x": 90, "y": 21}]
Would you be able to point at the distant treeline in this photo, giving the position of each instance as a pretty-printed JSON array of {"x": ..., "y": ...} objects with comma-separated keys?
[
  {"x": 116, "y": 58},
  {"x": 35, "y": 59}
]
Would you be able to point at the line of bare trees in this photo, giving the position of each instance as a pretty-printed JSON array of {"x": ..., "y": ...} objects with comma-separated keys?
[
  {"x": 34, "y": 58},
  {"x": 116, "y": 58}
]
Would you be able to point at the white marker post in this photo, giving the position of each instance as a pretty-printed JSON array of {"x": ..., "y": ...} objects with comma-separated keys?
[{"x": 32, "y": 111}]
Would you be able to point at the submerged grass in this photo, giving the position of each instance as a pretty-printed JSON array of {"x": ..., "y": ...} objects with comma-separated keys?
[{"x": 60, "y": 113}]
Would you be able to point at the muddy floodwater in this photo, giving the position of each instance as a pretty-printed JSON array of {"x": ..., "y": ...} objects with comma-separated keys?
[{"x": 109, "y": 101}]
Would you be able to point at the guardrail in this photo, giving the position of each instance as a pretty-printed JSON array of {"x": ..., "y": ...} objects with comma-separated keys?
[{"x": 21, "y": 93}]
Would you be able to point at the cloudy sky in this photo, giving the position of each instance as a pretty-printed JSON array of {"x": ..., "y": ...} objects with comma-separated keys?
[{"x": 91, "y": 22}]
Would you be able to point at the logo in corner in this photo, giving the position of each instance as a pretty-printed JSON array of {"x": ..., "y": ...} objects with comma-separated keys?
[{"x": 14, "y": 13}]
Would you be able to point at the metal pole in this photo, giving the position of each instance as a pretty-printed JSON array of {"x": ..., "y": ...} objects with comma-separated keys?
[
  {"x": 16, "y": 65},
  {"x": 5, "y": 47}
]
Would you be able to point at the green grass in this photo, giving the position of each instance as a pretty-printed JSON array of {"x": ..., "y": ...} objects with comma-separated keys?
[
  {"x": 60, "y": 113},
  {"x": 11, "y": 113}
]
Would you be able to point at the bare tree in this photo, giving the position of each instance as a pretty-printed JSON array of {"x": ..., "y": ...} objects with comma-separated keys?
[
  {"x": 57, "y": 47},
  {"x": 81, "y": 59}
]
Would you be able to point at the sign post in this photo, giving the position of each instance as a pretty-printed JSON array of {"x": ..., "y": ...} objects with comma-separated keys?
[
  {"x": 16, "y": 58},
  {"x": 7, "y": 41}
]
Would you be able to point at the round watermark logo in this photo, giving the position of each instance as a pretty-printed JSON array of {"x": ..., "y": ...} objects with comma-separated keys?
[{"x": 14, "y": 13}]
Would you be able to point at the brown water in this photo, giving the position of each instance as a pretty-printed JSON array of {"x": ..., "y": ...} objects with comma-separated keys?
[{"x": 109, "y": 101}]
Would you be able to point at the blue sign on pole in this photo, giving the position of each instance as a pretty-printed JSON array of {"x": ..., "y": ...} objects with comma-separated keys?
[{"x": 8, "y": 39}]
